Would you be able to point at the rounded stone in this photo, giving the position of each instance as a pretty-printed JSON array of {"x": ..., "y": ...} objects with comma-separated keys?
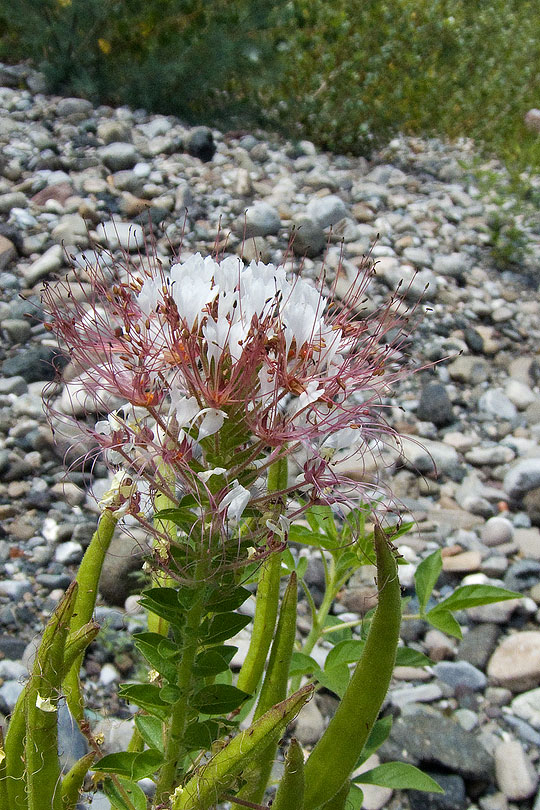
[
  {"x": 497, "y": 530},
  {"x": 515, "y": 663},
  {"x": 514, "y": 771},
  {"x": 309, "y": 238},
  {"x": 119, "y": 155}
]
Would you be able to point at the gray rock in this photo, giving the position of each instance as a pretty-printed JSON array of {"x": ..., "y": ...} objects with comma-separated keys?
[
  {"x": 460, "y": 675},
  {"x": 122, "y": 560},
  {"x": 199, "y": 143},
  {"x": 491, "y": 456},
  {"x": 527, "y": 706},
  {"x": 497, "y": 404},
  {"x": 9, "y": 694},
  {"x": 531, "y": 503},
  {"x": 72, "y": 745},
  {"x": 71, "y": 230},
  {"x": 522, "y": 575},
  {"x": 310, "y": 724},
  {"x": 260, "y": 219},
  {"x": 515, "y": 663},
  {"x": 18, "y": 331},
  {"x": 51, "y": 261},
  {"x": 424, "y": 693},
  {"x": 455, "y": 265},
  {"x": 427, "y": 456},
  {"x": 497, "y": 530},
  {"x": 15, "y": 588},
  {"x": 325, "y": 211},
  {"x": 34, "y": 363},
  {"x": 453, "y": 798},
  {"x": 13, "y": 199},
  {"x": 68, "y": 553},
  {"x": 418, "y": 257},
  {"x": 119, "y": 155},
  {"x": 522, "y": 476},
  {"x": 469, "y": 369},
  {"x": 428, "y": 737},
  {"x": 73, "y": 107},
  {"x": 435, "y": 406},
  {"x": 309, "y": 238},
  {"x": 516, "y": 776},
  {"x": 121, "y": 234}
]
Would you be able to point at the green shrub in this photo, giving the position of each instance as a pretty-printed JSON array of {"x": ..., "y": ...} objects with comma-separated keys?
[{"x": 170, "y": 56}]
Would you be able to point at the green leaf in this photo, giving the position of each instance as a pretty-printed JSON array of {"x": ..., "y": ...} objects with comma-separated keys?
[
  {"x": 148, "y": 644},
  {"x": 426, "y": 576},
  {"x": 202, "y": 734},
  {"x": 335, "y": 678},
  {"x": 399, "y": 776},
  {"x": 183, "y": 518},
  {"x": 407, "y": 657},
  {"x": 302, "y": 664},
  {"x": 225, "y": 601},
  {"x": 344, "y": 652},
  {"x": 355, "y": 799},
  {"x": 301, "y": 568},
  {"x": 321, "y": 518},
  {"x": 164, "y": 603},
  {"x": 129, "y": 797},
  {"x": 147, "y": 697},
  {"x": 215, "y": 660},
  {"x": 469, "y": 596},
  {"x": 337, "y": 635},
  {"x": 443, "y": 620},
  {"x": 379, "y": 734},
  {"x": 218, "y": 699},
  {"x": 170, "y": 693},
  {"x": 223, "y": 626},
  {"x": 131, "y": 764},
  {"x": 309, "y": 537},
  {"x": 151, "y": 730}
]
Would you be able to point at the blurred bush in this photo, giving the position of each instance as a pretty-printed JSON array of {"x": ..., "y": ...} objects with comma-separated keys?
[
  {"x": 347, "y": 74},
  {"x": 182, "y": 57}
]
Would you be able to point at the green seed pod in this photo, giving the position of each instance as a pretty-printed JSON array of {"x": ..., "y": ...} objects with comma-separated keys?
[
  {"x": 290, "y": 793},
  {"x": 338, "y": 801},
  {"x": 204, "y": 790},
  {"x": 73, "y": 781},
  {"x": 274, "y": 689},
  {"x": 332, "y": 760}
]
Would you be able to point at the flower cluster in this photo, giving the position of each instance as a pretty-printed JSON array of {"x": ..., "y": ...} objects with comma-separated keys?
[{"x": 225, "y": 369}]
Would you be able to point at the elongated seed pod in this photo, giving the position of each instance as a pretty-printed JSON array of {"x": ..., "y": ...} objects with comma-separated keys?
[
  {"x": 338, "y": 801},
  {"x": 4, "y": 795},
  {"x": 41, "y": 700},
  {"x": 14, "y": 750},
  {"x": 274, "y": 689},
  {"x": 334, "y": 756},
  {"x": 77, "y": 643},
  {"x": 290, "y": 793},
  {"x": 204, "y": 790},
  {"x": 266, "y": 608},
  {"x": 72, "y": 782},
  {"x": 88, "y": 580}
]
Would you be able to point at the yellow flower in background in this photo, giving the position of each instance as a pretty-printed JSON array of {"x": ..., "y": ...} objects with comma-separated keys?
[
  {"x": 64, "y": 3},
  {"x": 103, "y": 44}
]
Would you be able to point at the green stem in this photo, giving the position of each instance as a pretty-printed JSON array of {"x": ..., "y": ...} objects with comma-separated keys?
[
  {"x": 4, "y": 796},
  {"x": 156, "y": 624},
  {"x": 290, "y": 793},
  {"x": 88, "y": 580},
  {"x": 174, "y": 747},
  {"x": 335, "y": 755},
  {"x": 266, "y": 608}
]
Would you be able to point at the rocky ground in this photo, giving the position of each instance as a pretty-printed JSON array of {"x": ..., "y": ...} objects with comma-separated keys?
[{"x": 469, "y": 472}]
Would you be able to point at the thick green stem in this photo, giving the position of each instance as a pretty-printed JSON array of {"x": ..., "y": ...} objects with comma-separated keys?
[
  {"x": 157, "y": 624},
  {"x": 88, "y": 580},
  {"x": 273, "y": 690},
  {"x": 73, "y": 781},
  {"x": 335, "y": 755},
  {"x": 174, "y": 745},
  {"x": 266, "y": 608}
]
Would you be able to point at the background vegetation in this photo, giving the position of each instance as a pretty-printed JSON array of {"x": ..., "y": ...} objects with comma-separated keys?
[{"x": 346, "y": 74}]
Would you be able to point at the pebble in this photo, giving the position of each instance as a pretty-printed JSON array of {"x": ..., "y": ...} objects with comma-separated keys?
[
  {"x": 497, "y": 530},
  {"x": 515, "y": 664},
  {"x": 515, "y": 774},
  {"x": 460, "y": 674},
  {"x": 310, "y": 724},
  {"x": 375, "y": 797},
  {"x": 527, "y": 706}
]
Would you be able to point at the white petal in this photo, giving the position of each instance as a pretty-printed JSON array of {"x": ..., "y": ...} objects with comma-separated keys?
[
  {"x": 235, "y": 501},
  {"x": 206, "y": 474},
  {"x": 211, "y": 423}
]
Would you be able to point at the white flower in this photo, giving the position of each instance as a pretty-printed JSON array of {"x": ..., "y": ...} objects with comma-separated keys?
[
  {"x": 281, "y": 528},
  {"x": 235, "y": 501},
  {"x": 44, "y": 704},
  {"x": 307, "y": 397},
  {"x": 211, "y": 423}
]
